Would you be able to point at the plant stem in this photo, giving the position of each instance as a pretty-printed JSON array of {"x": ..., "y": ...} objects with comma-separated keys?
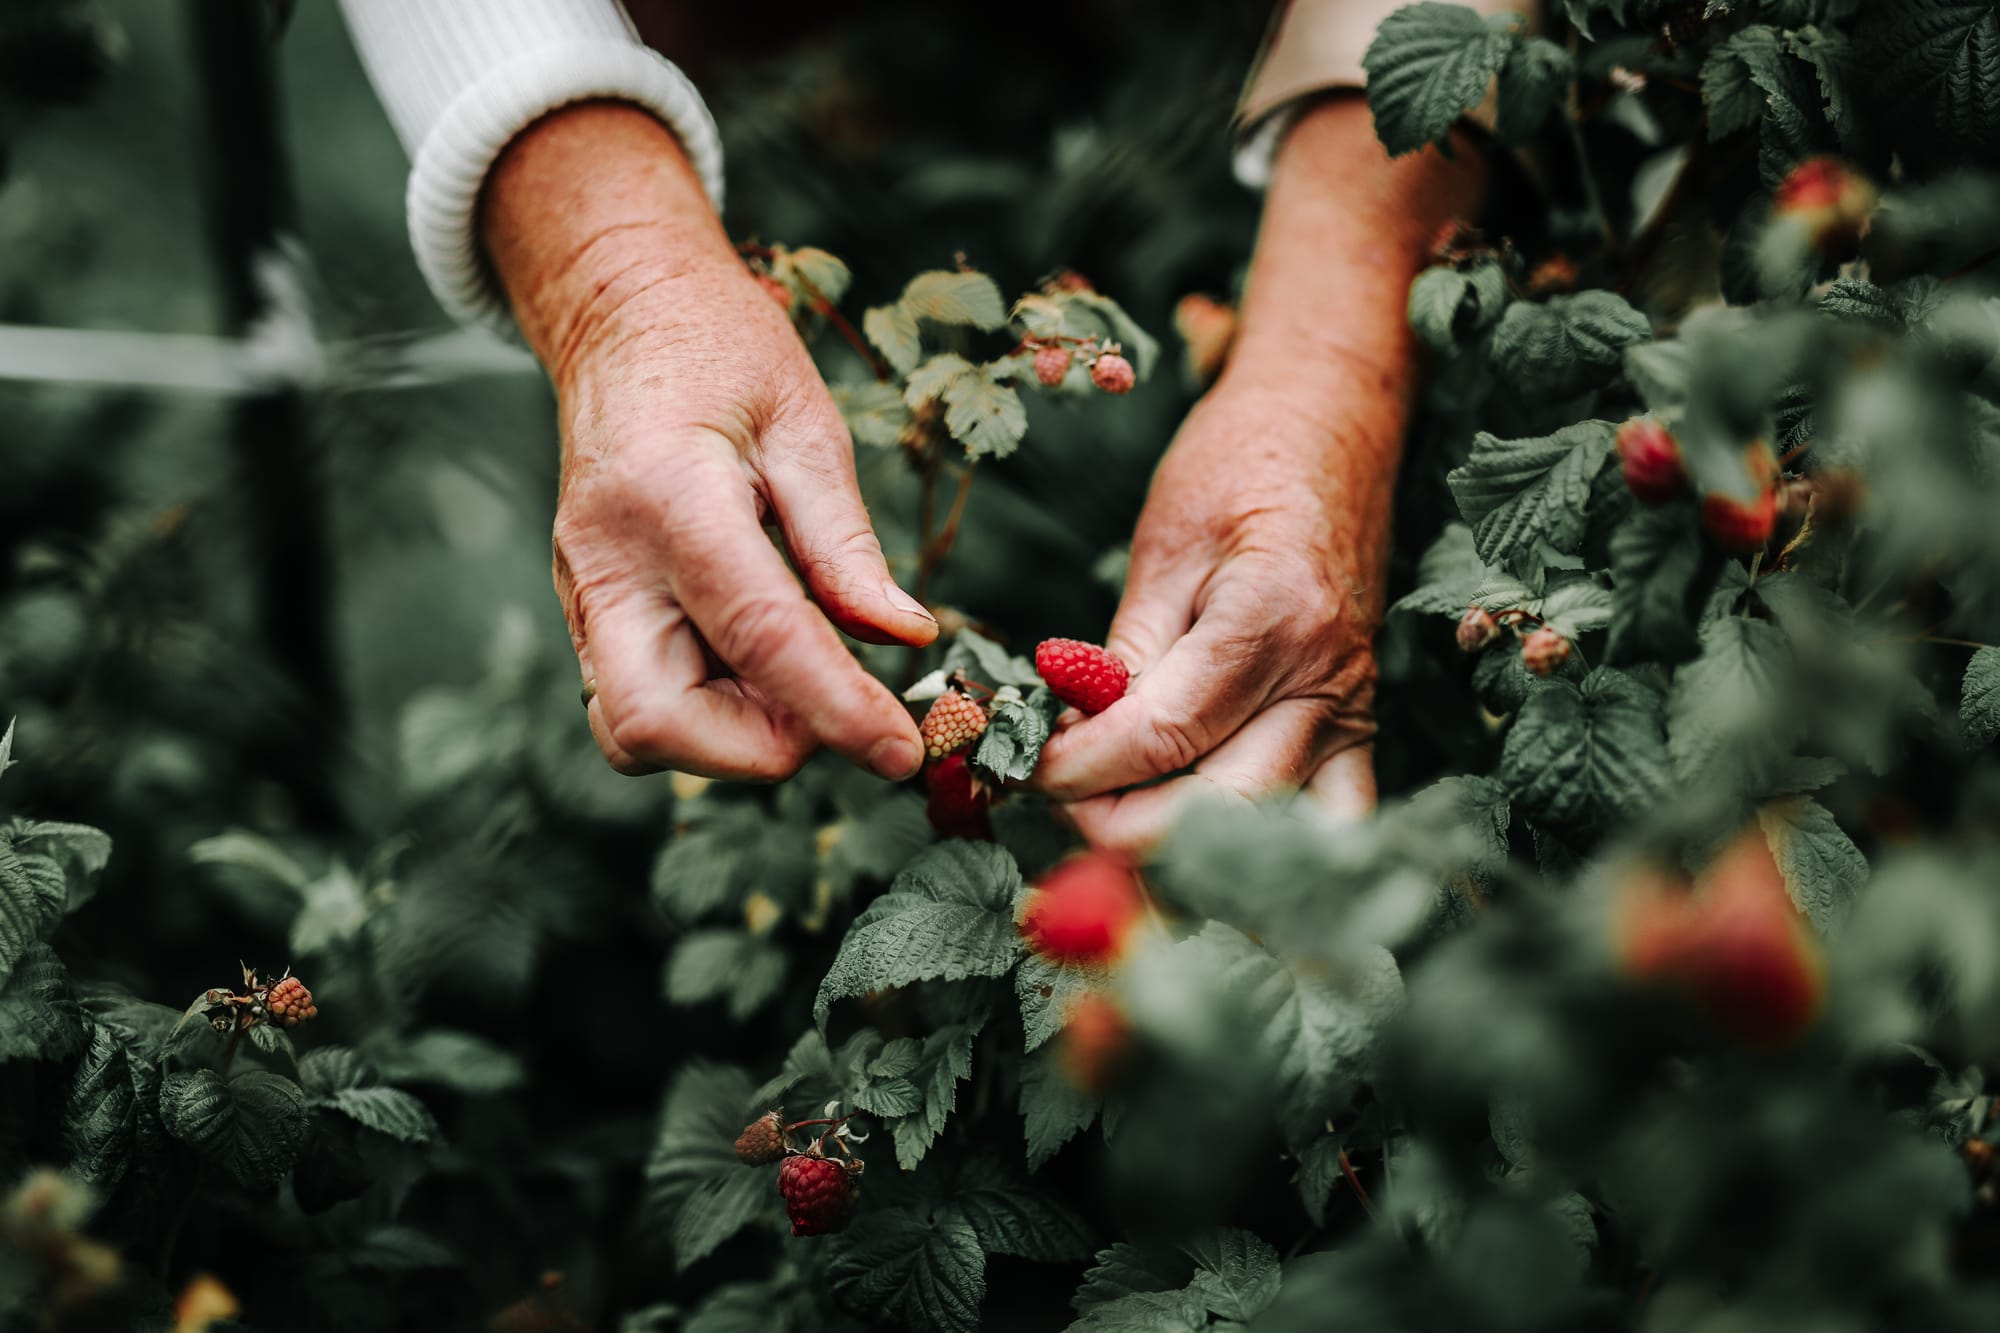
[
  {"x": 1354, "y": 1184},
  {"x": 844, "y": 327}
]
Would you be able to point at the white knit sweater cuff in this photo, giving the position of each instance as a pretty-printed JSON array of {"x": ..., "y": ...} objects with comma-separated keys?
[{"x": 465, "y": 141}]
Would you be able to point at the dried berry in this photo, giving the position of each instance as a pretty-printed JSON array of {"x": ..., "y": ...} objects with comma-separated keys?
[{"x": 762, "y": 1140}]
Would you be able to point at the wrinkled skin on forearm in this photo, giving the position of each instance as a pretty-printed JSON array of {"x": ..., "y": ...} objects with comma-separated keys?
[
  {"x": 692, "y": 417},
  {"x": 1256, "y": 578}
]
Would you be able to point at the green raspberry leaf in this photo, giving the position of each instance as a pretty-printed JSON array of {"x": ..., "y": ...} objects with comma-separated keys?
[
  {"x": 923, "y": 1272},
  {"x": 726, "y": 964},
  {"x": 1979, "y": 699},
  {"x": 1662, "y": 572},
  {"x": 1532, "y": 85},
  {"x": 1449, "y": 307},
  {"x": 388, "y": 1111},
  {"x": 1525, "y": 497},
  {"x": 1238, "y": 1273},
  {"x": 1823, "y": 869},
  {"x": 1016, "y": 731},
  {"x": 1555, "y": 350},
  {"x": 697, "y": 1194},
  {"x": 1580, "y": 758},
  {"x": 1053, "y": 1109},
  {"x": 1428, "y": 65}
]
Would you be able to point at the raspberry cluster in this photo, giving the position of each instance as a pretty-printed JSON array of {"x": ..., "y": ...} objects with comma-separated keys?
[
  {"x": 820, "y": 1192},
  {"x": 290, "y": 1003}
]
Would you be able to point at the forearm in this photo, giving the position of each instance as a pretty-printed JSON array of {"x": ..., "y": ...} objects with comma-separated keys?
[
  {"x": 1324, "y": 329},
  {"x": 589, "y": 209}
]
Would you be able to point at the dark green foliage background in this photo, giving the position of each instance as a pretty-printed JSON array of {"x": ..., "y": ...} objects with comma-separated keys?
[{"x": 550, "y": 997}]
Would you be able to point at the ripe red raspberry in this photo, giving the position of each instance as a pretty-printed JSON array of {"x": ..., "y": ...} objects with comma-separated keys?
[
  {"x": 954, "y": 721},
  {"x": 1051, "y": 364},
  {"x": 957, "y": 800},
  {"x": 762, "y": 1140},
  {"x": 290, "y": 1003},
  {"x": 1081, "y": 911},
  {"x": 778, "y": 291},
  {"x": 819, "y": 1194},
  {"x": 1743, "y": 526},
  {"x": 1651, "y": 460},
  {"x": 1476, "y": 629},
  {"x": 1081, "y": 674},
  {"x": 1544, "y": 651},
  {"x": 1832, "y": 201},
  {"x": 1113, "y": 373},
  {"x": 1734, "y": 945}
]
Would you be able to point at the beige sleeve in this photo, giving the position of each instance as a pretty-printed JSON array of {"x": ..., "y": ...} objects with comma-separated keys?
[{"x": 1316, "y": 45}]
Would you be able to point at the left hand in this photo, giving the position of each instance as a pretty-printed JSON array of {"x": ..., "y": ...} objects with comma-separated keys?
[{"x": 1249, "y": 612}]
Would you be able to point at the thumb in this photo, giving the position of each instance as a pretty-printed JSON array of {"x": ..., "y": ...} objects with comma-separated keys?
[{"x": 818, "y": 506}]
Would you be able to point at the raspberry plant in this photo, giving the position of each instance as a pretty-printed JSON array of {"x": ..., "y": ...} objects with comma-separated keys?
[{"x": 1658, "y": 995}]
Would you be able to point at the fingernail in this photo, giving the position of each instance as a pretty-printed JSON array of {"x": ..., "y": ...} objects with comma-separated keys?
[
  {"x": 905, "y": 603},
  {"x": 896, "y": 758}
]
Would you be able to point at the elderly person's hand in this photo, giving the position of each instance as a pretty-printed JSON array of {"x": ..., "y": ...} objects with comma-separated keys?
[
  {"x": 692, "y": 416},
  {"x": 1256, "y": 575}
]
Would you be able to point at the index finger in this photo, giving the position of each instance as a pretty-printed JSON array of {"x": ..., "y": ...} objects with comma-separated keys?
[{"x": 757, "y": 619}]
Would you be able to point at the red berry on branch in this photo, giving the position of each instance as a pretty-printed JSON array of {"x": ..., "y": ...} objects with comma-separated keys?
[
  {"x": 955, "y": 720},
  {"x": 1544, "y": 651},
  {"x": 1051, "y": 364},
  {"x": 290, "y": 1003},
  {"x": 1735, "y": 944},
  {"x": 957, "y": 800},
  {"x": 1743, "y": 526},
  {"x": 819, "y": 1194},
  {"x": 1113, "y": 373},
  {"x": 1476, "y": 629},
  {"x": 762, "y": 1140},
  {"x": 1082, "y": 911},
  {"x": 1082, "y": 675},
  {"x": 1833, "y": 201},
  {"x": 1651, "y": 460}
]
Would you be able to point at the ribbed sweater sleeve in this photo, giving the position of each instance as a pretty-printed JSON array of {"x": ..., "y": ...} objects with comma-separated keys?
[{"x": 460, "y": 78}]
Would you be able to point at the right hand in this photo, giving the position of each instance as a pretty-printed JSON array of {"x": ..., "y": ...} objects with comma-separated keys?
[{"x": 692, "y": 416}]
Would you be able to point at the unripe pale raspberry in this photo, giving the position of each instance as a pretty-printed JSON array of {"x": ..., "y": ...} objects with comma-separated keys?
[
  {"x": 1113, "y": 373},
  {"x": 1544, "y": 651},
  {"x": 762, "y": 1140},
  {"x": 1476, "y": 629},
  {"x": 1650, "y": 458},
  {"x": 954, "y": 721},
  {"x": 1082, "y": 675},
  {"x": 1051, "y": 364},
  {"x": 290, "y": 1003},
  {"x": 819, "y": 1194}
]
